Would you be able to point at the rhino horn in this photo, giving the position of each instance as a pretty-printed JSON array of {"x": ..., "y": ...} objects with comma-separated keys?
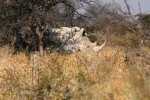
[{"x": 97, "y": 49}]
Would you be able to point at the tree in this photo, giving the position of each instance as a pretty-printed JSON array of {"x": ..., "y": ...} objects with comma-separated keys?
[
  {"x": 128, "y": 8},
  {"x": 34, "y": 14},
  {"x": 102, "y": 16}
]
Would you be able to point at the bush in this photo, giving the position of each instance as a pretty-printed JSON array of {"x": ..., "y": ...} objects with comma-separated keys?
[
  {"x": 144, "y": 19},
  {"x": 5, "y": 38},
  {"x": 134, "y": 41},
  {"x": 92, "y": 38},
  {"x": 128, "y": 39},
  {"x": 90, "y": 29},
  {"x": 123, "y": 28}
]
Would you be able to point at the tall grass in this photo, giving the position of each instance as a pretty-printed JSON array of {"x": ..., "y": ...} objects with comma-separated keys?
[{"x": 113, "y": 74}]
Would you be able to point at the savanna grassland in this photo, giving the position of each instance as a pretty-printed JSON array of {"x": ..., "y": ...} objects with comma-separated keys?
[
  {"x": 120, "y": 71},
  {"x": 115, "y": 73}
]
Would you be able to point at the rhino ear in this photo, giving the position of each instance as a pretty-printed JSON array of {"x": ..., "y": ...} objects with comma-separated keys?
[{"x": 84, "y": 33}]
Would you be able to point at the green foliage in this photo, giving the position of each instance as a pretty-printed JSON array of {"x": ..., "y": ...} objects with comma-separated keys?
[
  {"x": 145, "y": 19},
  {"x": 57, "y": 24},
  {"x": 44, "y": 81},
  {"x": 123, "y": 28},
  {"x": 90, "y": 29},
  {"x": 128, "y": 40},
  {"x": 134, "y": 41},
  {"x": 92, "y": 38}
]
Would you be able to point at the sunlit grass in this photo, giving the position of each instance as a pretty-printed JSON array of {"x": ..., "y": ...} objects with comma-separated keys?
[{"x": 80, "y": 76}]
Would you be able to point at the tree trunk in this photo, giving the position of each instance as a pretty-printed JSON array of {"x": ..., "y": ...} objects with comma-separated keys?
[
  {"x": 40, "y": 44},
  {"x": 128, "y": 8},
  {"x": 139, "y": 7},
  {"x": 115, "y": 7}
]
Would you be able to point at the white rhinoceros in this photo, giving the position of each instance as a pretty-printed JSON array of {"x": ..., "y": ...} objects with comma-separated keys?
[{"x": 75, "y": 39}]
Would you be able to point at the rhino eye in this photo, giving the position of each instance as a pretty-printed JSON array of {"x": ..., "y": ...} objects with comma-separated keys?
[{"x": 75, "y": 30}]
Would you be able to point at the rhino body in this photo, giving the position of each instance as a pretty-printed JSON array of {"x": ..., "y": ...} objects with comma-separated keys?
[
  {"x": 75, "y": 39},
  {"x": 65, "y": 38}
]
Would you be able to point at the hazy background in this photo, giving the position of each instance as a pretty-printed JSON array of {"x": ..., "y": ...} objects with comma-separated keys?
[{"x": 145, "y": 5}]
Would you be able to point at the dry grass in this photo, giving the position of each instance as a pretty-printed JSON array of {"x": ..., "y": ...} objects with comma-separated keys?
[{"x": 113, "y": 74}]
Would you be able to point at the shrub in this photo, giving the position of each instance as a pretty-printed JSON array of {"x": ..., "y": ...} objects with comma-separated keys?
[
  {"x": 123, "y": 28},
  {"x": 92, "y": 38},
  {"x": 134, "y": 41},
  {"x": 144, "y": 19},
  {"x": 90, "y": 29},
  {"x": 5, "y": 39}
]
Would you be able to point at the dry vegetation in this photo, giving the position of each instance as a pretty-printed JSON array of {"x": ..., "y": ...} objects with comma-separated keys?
[
  {"x": 116, "y": 73},
  {"x": 120, "y": 71}
]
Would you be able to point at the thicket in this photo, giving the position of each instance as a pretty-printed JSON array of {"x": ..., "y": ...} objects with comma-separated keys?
[
  {"x": 144, "y": 19},
  {"x": 98, "y": 18}
]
